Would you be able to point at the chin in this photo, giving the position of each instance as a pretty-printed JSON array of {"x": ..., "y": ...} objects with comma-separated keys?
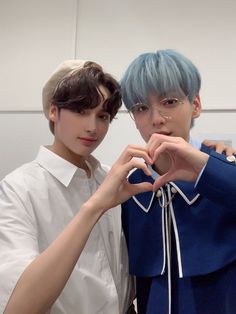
[{"x": 80, "y": 152}]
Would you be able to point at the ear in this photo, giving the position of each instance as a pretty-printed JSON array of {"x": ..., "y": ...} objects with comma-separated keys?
[
  {"x": 53, "y": 113},
  {"x": 197, "y": 107}
]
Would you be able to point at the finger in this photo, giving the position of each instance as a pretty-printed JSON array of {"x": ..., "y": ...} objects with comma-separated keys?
[
  {"x": 162, "y": 180},
  {"x": 134, "y": 152},
  {"x": 164, "y": 148},
  {"x": 220, "y": 147},
  {"x": 136, "y": 164},
  {"x": 121, "y": 172},
  {"x": 154, "y": 142},
  {"x": 208, "y": 143},
  {"x": 229, "y": 151},
  {"x": 157, "y": 140},
  {"x": 140, "y": 188}
]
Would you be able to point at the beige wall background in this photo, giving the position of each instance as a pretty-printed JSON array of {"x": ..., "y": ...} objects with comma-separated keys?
[{"x": 36, "y": 36}]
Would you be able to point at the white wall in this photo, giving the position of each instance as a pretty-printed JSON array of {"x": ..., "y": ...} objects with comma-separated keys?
[
  {"x": 114, "y": 32},
  {"x": 36, "y": 36}
]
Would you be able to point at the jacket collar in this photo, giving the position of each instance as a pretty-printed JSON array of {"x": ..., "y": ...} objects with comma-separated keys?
[{"x": 185, "y": 189}]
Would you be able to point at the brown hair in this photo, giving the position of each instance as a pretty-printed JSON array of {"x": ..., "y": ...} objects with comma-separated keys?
[{"x": 80, "y": 90}]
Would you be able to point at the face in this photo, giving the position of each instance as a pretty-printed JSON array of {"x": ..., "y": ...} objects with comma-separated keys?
[
  {"x": 78, "y": 134},
  {"x": 168, "y": 116}
]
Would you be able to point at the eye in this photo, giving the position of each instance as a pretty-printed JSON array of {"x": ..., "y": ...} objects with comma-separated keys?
[
  {"x": 169, "y": 102},
  {"x": 139, "y": 108},
  {"x": 105, "y": 116}
]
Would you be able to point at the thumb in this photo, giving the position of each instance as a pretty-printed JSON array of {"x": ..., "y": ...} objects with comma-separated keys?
[
  {"x": 141, "y": 187},
  {"x": 160, "y": 181}
]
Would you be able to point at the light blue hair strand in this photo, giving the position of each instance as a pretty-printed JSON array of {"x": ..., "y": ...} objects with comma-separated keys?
[{"x": 166, "y": 73}]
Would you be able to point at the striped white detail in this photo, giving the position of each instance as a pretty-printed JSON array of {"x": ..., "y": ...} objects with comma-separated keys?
[
  {"x": 184, "y": 196},
  {"x": 168, "y": 252},
  {"x": 141, "y": 205},
  {"x": 179, "y": 259},
  {"x": 163, "y": 232}
]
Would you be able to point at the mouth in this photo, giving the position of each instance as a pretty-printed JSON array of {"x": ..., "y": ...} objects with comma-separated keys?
[
  {"x": 164, "y": 133},
  {"x": 87, "y": 141}
]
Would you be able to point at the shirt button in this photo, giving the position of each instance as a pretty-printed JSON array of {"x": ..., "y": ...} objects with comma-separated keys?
[
  {"x": 158, "y": 193},
  {"x": 173, "y": 190},
  {"x": 231, "y": 158}
]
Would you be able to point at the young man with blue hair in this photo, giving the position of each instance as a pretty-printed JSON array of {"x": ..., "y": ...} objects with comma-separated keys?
[{"x": 181, "y": 238}]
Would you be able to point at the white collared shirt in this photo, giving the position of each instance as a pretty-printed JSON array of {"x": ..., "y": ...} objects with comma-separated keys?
[{"x": 37, "y": 201}]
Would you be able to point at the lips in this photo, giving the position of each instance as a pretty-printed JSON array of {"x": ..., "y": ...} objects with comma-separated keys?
[
  {"x": 164, "y": 133},
  {"x": 87, "y": 141}
]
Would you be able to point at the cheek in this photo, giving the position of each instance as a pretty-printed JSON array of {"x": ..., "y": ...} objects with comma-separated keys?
[
  {"x": 103, "y": 129},
  {"x": 139, "y": 127},
  {"x": 185, "y": 117},
  {"x": 66, "y": 128},
  {"x": 144, "y": 129},
  {"x": 144, "y": 134}
]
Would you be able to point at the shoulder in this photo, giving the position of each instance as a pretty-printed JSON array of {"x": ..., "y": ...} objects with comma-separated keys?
[
  {"x": 217, "y": 181},
  {"x": 24, "y": 178},
  {"x": 15, "y": 194},
  {"x": 206, "y": 149},
  {"x": 226, "y": 165},
  {"x": 19, "y": 173}
]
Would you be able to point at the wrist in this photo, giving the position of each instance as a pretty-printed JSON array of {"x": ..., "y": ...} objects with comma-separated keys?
[
  {"x": 91, "y": 207},
  {"x": 201, "y": 162}
]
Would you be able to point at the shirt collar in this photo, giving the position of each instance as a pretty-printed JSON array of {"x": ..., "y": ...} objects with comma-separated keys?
[{"x": 63, "y": 170}]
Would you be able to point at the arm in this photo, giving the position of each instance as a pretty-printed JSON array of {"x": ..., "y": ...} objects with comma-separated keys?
[{"x": 56, "y": 263}]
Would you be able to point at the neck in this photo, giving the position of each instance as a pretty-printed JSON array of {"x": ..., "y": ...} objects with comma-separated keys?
[
  {"x": 65, "y": 153},
  {"x": 162, "y": 165}
]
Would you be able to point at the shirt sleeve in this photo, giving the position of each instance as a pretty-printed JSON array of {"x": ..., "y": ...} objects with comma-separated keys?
[{"x": 18, "y": 238}]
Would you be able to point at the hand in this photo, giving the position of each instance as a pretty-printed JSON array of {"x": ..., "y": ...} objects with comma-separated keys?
[
  {"x": 115, "y": 189},
  {"x": 185, "y": 162},
  {"x": 220, "y": 147}
]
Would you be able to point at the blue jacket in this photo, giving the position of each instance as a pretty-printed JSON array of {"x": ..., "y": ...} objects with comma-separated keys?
[{"x": 203, "y": 218}]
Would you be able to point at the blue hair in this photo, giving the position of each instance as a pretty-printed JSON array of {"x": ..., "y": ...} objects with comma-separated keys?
[{"x": 166, "y": 73}]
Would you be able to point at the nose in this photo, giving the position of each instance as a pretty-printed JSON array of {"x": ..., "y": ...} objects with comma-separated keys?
[
  {"x": 157, "y": 116},
  {"x": 91, "y": 124}
]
